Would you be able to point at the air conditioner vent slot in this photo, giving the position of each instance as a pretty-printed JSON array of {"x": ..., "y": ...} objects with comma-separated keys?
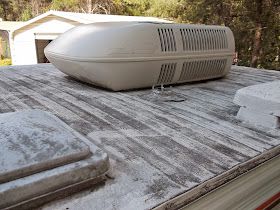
[
  {"x": 203, "y": 39},
  {"x": 193, "y": 70},
  {"x": 167, "y": 39},
  {"x": 167, "y": 72}
]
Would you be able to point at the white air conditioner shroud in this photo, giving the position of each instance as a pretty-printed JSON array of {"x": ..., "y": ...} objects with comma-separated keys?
[{"x": 128, "y": 55}]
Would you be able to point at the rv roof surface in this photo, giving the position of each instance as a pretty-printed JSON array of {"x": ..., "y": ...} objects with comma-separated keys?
[{"x": 163, "y": 151}]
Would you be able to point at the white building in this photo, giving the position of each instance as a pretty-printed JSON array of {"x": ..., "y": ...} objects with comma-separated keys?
[{"x": 27, "y": 41}]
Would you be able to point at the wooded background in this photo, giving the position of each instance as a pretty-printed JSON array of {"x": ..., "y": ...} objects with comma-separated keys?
[{"x": 255, "y": 23}]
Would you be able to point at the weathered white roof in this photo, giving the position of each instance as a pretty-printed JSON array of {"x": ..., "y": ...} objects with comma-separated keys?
[
  {"x": 9, "y": 25},
  {"x": 165, "y": 150},
  {"x": 85, "y": 18}
]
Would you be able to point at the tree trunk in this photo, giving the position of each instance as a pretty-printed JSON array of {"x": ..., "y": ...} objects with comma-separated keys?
[
  {"x": 258, "y": 36},
  {"x": 89, "y": 6},
  {"x": 5, "y": 6},
  {"x": 257, "y": 46}
]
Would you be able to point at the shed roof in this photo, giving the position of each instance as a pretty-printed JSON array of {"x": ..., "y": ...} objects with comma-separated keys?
[
  {"x": 9, "y": 25},
  {"x": 86, "y": 18},
  {"x": 91, "y": 18}
]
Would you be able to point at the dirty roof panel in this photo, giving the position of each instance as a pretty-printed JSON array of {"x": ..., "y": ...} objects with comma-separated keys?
[
  {"x": 33, "y": 141},
  {"x": 160, "y": 147}
]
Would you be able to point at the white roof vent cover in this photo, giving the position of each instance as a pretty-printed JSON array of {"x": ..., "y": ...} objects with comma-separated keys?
[
  {"x": 129, "y": 55},
  {"x": 260, "y": 104}
]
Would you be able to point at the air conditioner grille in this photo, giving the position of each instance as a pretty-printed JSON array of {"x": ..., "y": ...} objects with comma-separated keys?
[
  {"x": 167, "y": 72},
  {"x": 203, "y": 39},
  {"x": 202, "y": 69},
  {"x": 167, "y": 39}
]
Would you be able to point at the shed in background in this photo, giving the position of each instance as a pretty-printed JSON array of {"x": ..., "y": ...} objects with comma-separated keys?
[{"x": 30, "y": 38}]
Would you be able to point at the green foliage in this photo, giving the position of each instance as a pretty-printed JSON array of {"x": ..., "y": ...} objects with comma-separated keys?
[
  {"x": 132, "y": 7},
  {"x": 5, "y": 62},
  {"x": 65, "y": 5},
  {"x": 163, "y": 8},
  {"x": 26, "y": 14}
]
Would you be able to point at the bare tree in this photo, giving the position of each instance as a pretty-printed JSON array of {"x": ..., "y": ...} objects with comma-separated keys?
[{"x": 97, "y": 6}]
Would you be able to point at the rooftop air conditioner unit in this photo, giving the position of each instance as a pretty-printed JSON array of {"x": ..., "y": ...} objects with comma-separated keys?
[{"x": 128, "y": 55}]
